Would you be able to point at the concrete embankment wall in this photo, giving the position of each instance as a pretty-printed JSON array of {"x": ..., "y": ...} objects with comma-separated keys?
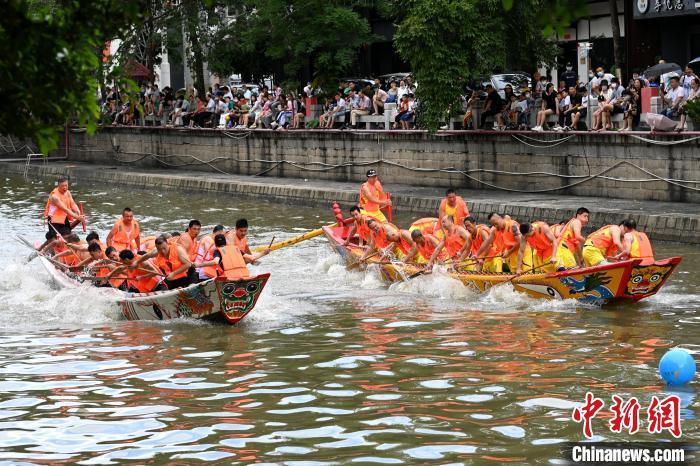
[
  {"x": 638, "y": 167},
  {"x": 662, "y": 221}
]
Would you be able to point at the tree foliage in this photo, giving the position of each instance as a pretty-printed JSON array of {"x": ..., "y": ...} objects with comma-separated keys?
[
  {"x": 49, "y": 56},
  {"x": 289, "y": 38},
  {"x": 450, "y": 41}
]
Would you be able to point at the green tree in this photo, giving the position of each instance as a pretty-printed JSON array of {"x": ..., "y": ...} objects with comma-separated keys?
[
  {"x": 450, "y": 41},
  {"x": 50, "y": 60},
  {"x": 290, "y": 38}
]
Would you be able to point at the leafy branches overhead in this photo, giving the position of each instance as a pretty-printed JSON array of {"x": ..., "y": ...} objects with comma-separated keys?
[
  {"x": 450, "y": 41},
  {"x": 288, "y": 37},
  {"x": 49, "y": 56}
]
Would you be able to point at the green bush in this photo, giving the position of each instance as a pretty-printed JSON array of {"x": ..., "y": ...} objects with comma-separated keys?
[{"x": 692, "y": 108}]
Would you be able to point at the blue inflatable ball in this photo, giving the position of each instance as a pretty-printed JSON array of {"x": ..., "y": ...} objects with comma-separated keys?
[{"x": 677, "y": 367}]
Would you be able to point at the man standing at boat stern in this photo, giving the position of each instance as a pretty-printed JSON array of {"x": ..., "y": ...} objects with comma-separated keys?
[
  {"x": 61, "y": 210},
  {"x": 373, "y": 198}
]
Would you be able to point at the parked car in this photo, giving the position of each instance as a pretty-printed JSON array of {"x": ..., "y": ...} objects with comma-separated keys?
[
  {"x": 517, "y": 80},
  {"x": 386, "y": 79},
  {"x": 360, "y": 83}
]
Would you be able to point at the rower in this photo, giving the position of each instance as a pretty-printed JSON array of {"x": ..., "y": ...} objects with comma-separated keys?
[
  {"x": 51, "y": 243},
  {"x": 454, "y": 206},
  {"x": 70, "y": 257},
  {"x": 479, "y": 233},
  {"x": 373, "y": 197},
  {"x": 424, "y": 246},
  {"x": 61, "y": 210},
  {"x": 456, "y": 242},
  {"x": 540, "y": 246},
  {"x": 172, "y": 260},
  {"x": 603, "y": 243},
  {"x": 143, "y": 277},
  {"x": 382, "y": 238},
  {"x": 239, "y": 236},
  {"x": 571, "y": 237},
  {"x": 126, "y": 232},
  {"x": 113, "y": 256},
  {"x": 189, "y": 243},
  {"x": 503, "y": 241},
  {"x": 359, "y": 227},
  {"x": 636, "y": 245},
  {"x": 91, "y": 238},
  {"x": 149, "y": 242},
  {"x": 231, "y": 262},
  {"x": 205, "y": 253}
]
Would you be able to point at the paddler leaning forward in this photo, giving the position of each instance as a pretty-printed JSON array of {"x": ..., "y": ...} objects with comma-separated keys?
[
  {"x": 172, "y": 260},
  {"x": 373, "y": 197},
  {"x": 539, "y": 243},
  {"x": 603, "y": 243},
  {"x": 571, "y": 237},
  {"x": 456, "y": 241},
  {"x": 231, "y": 262},
  {"x": 359, "y": 227},
  {"x": 501, "y": 246},
  {"x": 385, "y": 239}
]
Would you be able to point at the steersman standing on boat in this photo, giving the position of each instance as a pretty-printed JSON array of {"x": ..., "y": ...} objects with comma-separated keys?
[
  {"x": 62, "y": 212},
  {"x": 373, "y": 198}
]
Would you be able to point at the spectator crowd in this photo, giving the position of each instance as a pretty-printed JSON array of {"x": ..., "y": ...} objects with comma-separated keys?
[{"x": 561, "y": 107}]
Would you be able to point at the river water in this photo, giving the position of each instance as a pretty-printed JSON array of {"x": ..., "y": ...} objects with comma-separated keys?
[{"x": 331, "y": 367}]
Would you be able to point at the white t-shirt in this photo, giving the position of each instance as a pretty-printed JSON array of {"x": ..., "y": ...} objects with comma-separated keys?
[
  {"x": 673, "y": 94},
  {"x": 522, "y": 104},
  {"x": 565, "y": 102}
]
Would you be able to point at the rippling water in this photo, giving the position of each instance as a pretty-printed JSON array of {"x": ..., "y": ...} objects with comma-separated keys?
[{"x": 330, "y": 368}]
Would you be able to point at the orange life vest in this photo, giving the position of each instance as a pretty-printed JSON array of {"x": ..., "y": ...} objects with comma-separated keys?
[
  {"x": 189, "y": 245},
  {"x": 602, "y": 239},
  {"x": 380, "y": 239},
  {"x": 206, "y": 253},
  {"x": 377, "y": 191},
  {"x": 641, "y": 247},
  {"x": 478, "y": 239},
  {"x": 58, "y": 215},
  {"x": 137, "y": 279},
  {"x": 170, "y": 263},
  {"x": 123, "y": 238},
  {"x": 453, "y": 243},
  {"x": 539, "y": 242},
  {"x": 426, "y": 225},
  {"x": 362, "y": 229},
  {"x": 403, "y": 245},
  {"x": 505, "y": 239},
  {"x": 458, "y": 213},
  {"x": 567, "y": 236},
  {"x": 232, "y": 265},
  {"x": 428, "y": 248}
]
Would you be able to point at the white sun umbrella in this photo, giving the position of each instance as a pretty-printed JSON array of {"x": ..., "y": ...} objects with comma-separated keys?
[{"x": 660, "y": 122}]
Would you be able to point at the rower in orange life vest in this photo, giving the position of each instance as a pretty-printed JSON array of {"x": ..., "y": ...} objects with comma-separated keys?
[
  {"x": 601, "y": 244},
  {"x": 189, "y": 243},
  {"x": 383, "y": 238},
  {"x": 424, "y": 246},
  {"x": 239, "y": 236},
  {"x": 91, "y": 238},
  {"x": 539, "y": 250},
  {"x": 635, "y": 244},
  {"x": 126, "y": 232},
  {"x": 172, "y": 260},
  {"x": 478, "y": 233},
  {"x": 205, "y": 253},
  {"x": 70, "y": 257},
  {"x": 359, "y": 227},
  {"x": 143, "y": 277},
  {"x": 454, "y": 206},
  {"x": 571, "y": 238},
  {"x": 456, "y": 241},
  {"x": 231, "y": 262},
  {"x": 503, "y": 242},
  {"x": 373, "y": 197},
  {"x": 61, "y": 210}
]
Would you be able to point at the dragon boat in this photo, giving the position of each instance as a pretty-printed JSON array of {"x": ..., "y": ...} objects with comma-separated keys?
[
  {"x": 624, "y": 281},
  {"x": 216, "y": 299}
]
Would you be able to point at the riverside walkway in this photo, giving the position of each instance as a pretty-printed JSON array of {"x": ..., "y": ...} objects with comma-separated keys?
[{"x": 666, "y": 221}]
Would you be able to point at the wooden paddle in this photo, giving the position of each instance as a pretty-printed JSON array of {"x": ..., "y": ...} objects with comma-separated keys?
[
  {"x": 300, "y": 238},
  {"x": 82, "y": 214},
  {"x": 361, "y": 261}
]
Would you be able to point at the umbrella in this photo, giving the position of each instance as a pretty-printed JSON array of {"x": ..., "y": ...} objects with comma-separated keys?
[
  {"x": 694, "y": 60},
  {"x": 660, "y": 122},
  {"x": 657, "y": 70}
]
